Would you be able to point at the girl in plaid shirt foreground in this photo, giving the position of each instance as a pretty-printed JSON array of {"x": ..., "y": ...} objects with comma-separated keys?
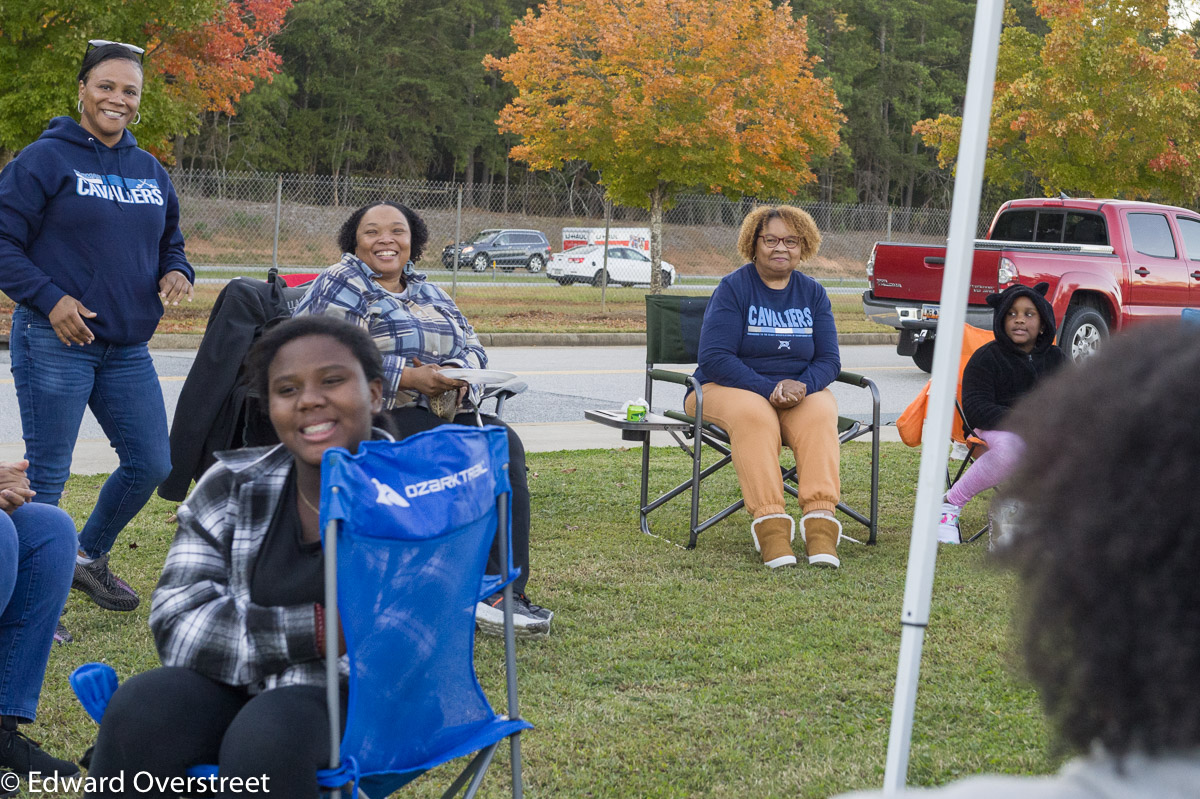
[{"x": 238, "y": 616}]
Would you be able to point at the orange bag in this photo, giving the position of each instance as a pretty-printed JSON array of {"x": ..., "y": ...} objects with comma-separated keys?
[{"x": 911, "y": 422}]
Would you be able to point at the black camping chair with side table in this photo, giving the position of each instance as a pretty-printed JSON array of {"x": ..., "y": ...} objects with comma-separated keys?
[{"x": 673, "y": 337}]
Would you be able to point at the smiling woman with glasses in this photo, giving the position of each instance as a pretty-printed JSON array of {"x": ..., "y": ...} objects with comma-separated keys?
[
  {"x": 768, "y": 351},
  {"x": 91, "y": 252}
]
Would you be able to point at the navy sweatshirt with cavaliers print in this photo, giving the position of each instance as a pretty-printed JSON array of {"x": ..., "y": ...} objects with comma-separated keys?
[
  {"x": 753, "y": 336},
  {"x": 98, "y": 223}
]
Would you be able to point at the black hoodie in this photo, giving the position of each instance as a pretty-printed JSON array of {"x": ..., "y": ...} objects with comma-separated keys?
[{"x": 1000, "y": 373}]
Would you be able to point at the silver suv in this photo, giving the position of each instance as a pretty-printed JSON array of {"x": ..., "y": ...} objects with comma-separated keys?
[{"x": 507, "y": 249}]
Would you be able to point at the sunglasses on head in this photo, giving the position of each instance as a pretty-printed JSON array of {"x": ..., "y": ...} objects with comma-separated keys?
[{"x": 133, "y": 48}]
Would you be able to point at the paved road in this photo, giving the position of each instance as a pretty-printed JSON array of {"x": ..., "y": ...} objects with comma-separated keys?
[{"x": 563, "y": 382}]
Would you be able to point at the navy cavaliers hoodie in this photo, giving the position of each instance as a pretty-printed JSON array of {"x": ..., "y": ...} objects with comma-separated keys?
[{"x": 98, "y": 223}]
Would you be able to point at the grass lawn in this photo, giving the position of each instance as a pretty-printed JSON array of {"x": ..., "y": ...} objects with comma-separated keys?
[
  {"x": 688, "y": 674},
  {"x": 517, "y": 309}
]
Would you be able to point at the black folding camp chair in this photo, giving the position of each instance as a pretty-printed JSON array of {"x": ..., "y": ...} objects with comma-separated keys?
[{"x": 673, "y": 337}]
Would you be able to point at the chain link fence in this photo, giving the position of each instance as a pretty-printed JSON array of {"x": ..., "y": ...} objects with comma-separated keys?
[{"x": 243, "y": 223}]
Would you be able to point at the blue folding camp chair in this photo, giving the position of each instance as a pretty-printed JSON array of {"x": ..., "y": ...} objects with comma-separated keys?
[{"x": 407, "y": 531}]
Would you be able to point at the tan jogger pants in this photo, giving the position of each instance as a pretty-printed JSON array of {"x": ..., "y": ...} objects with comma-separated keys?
[{"x": 757, "y": 430}]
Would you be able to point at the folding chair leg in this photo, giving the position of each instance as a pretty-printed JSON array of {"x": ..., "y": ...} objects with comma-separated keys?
[
  {"x": 473, "y": 772},
  {"x": 510, "y": 654},
  {"x": 982, "y": 530},
  {"x": 874, "y": 525}
]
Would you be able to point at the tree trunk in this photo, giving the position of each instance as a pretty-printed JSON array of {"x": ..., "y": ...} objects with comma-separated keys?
[{"x": 657, "y": 198}]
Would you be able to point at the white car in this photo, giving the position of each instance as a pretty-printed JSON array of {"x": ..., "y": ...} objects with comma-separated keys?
[{"x": 626, "y": 267}]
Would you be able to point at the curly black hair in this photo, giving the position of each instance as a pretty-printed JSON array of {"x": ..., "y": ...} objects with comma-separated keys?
[
  {"x": 347, "y": 237},
  {"x": 355, "y": 339},
  {"x": 1108, "y": 543}
]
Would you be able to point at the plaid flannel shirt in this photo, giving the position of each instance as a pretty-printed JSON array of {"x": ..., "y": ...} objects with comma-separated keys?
[
  {"x": 419, "y": 322},
  {"x": 201, "y": 613}
]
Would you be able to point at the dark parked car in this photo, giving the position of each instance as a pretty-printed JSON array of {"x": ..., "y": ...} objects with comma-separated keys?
[{"x": 508, "y": 249}]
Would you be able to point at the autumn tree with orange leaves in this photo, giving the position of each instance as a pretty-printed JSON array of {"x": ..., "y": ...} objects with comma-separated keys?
[
  {"x": 1106, "y": 104},
  {"x": 659, "y": 96},
  {"x": 201, "y": 55}
]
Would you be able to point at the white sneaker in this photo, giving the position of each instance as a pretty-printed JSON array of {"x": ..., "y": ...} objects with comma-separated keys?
[{"x": 948, "y": 525}]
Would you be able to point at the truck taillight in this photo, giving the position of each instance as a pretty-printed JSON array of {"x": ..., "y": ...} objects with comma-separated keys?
[
  {"x": 1007, "y": 272},
  {"x": 871, "y": 266}
]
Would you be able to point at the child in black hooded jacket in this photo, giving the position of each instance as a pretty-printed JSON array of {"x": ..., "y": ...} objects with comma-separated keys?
[{"x": 998, "y": 374}]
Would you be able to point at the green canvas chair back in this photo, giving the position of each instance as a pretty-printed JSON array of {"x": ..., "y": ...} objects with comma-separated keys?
[{"x": 673, "y": 327}]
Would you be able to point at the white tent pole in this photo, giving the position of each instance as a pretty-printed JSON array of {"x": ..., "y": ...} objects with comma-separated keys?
[{"x": 922, "y": 553}]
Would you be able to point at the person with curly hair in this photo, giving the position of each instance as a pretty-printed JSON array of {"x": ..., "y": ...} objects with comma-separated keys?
[
  {"x": 1109, "y": 604},
  {"x": 420, "y": 331},
  {"x": 768, "y": 352}
]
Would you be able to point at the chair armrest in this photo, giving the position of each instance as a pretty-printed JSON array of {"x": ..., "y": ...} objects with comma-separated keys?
[
  {"x": 852, "y": 378},
  {"x": 500, "y": 393},
  {"x": 668, "y": 376},
  {"x": 506, "y": 390}
]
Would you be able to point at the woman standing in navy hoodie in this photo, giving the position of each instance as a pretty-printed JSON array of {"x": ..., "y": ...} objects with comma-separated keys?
[
  {"x": 90, "y": 250},
  {"x": 768, "y": 352}
]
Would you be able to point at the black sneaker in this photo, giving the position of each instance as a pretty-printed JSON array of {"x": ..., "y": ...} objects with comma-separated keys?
[
  {"x": 22, "y": 755},
  {"x": 62, "y": 635},
  {"x": 529, "y": 620},
  {"x": 102, "y": 586}
]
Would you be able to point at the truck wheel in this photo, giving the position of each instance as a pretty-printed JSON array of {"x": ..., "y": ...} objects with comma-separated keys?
[
  {"x": 480, "y": 263},
  {"x": 923, "y": 357},
  {"x": 1082, "y": 332}
]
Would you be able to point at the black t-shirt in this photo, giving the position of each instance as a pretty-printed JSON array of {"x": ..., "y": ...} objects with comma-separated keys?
[{"x": 288, "y": 571}]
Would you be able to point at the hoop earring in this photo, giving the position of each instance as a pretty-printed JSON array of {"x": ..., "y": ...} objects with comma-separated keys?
[
  {"x": 137, "y": 117},
  {"x": 79, "y": 106}
]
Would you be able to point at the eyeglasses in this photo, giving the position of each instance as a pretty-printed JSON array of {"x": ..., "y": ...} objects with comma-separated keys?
[
  {"x": 133, "y": 48},
  {"x": 791, "y": 242}
]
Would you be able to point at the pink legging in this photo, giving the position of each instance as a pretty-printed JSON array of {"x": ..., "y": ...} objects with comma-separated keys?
[{"x": 993, "y": 467}]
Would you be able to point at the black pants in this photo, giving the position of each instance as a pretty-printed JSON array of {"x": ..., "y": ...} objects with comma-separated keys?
[
  {"x": 408, "y": 421},
  {"x": 169, "y": 719}
]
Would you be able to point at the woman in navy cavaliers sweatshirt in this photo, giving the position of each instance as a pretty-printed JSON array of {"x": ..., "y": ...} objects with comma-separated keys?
[
  {"x": 768, "y": 352},
  {"x": 90, "y": 250}
]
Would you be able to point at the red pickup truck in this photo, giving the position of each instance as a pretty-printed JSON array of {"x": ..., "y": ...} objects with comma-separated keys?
[{"x": 1109, "y": 263}]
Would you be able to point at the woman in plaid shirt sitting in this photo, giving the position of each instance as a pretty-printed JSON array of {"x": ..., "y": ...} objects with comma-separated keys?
[
  {"x": 238, "y": 614},
  {"x": 420, "y": 331}
]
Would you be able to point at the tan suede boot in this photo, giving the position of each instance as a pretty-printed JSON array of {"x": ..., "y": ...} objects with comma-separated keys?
[
  {"x": 773, "y": 538},
  {"x": 821, "y": 535}
]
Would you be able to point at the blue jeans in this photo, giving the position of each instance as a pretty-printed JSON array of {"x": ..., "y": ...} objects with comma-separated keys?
[
  {"x": 37, "y": 561},
  {"x": 54, "y": 384}
]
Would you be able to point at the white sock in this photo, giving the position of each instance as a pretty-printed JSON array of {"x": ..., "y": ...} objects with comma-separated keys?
[{"x": 84, "y": 561}]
